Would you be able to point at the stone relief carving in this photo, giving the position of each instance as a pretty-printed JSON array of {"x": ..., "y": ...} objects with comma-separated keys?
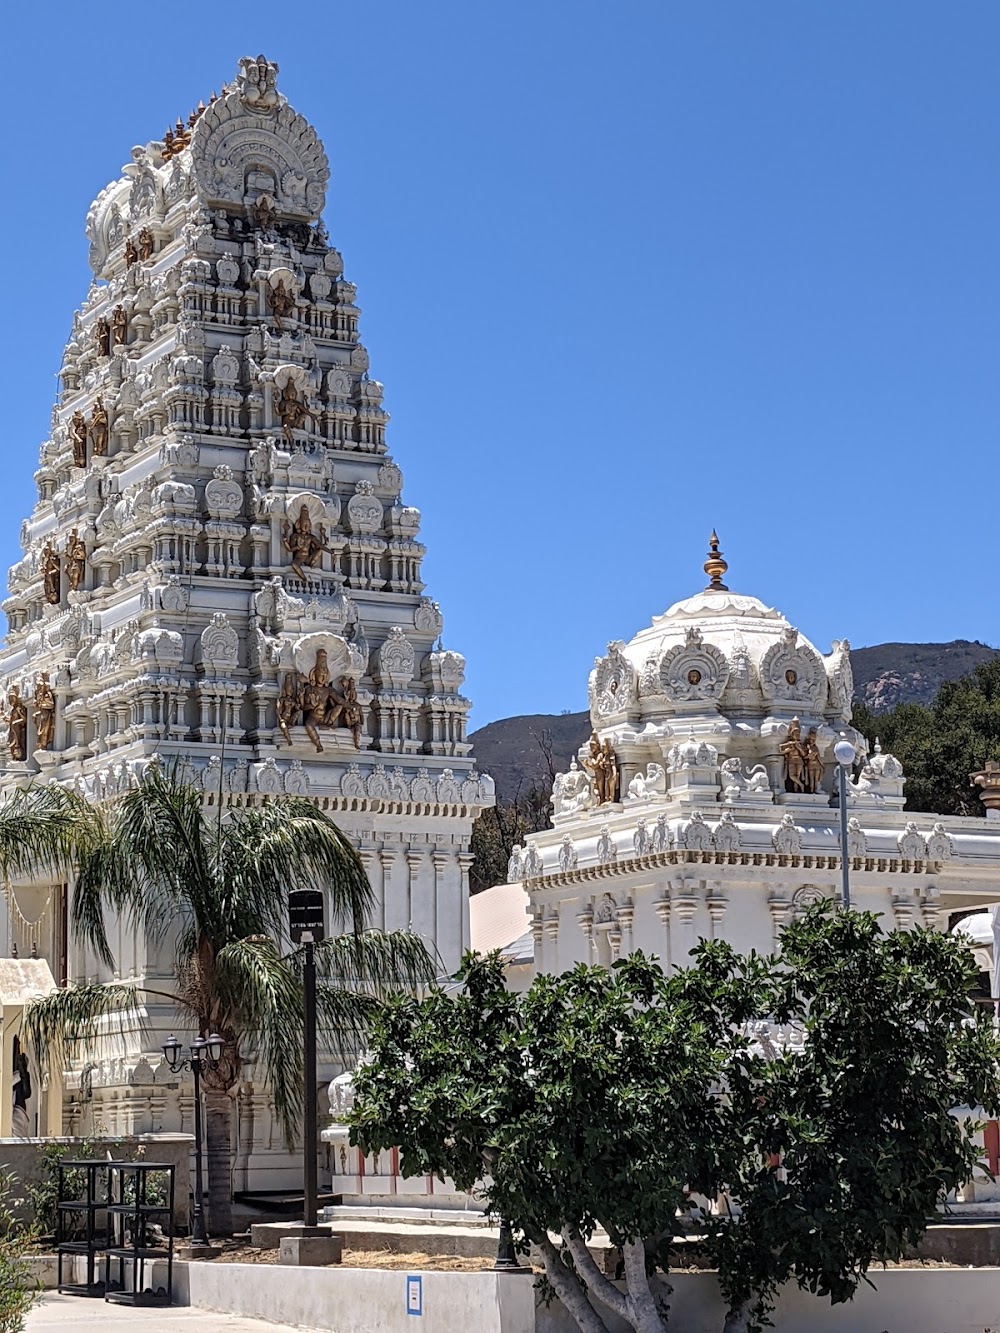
[
  {"x": 515, "y": 864},
  {"x": 606, "y": 911},
  {"x": 220, "y": 643},
  {"x": 793, "y": 674},
  {"x": 223, "y": 495},
  {"x": 607, "y": 851},
  {"x": 641, "y": 839},
  {"x": 428, "y": 617},
  {"x": 840, "y": 677},
  {"x": 572, "y": 791},
  {"x": 396, "y": 659},
  {"x": 694, "y": 670},
  {"x": 939, "y": 844},
  {"x": 532, "y": 865},
  {"x": 567, "y": 855},
  {"x": 613, "y": 683},
  {"x": 910, "y": 843},
  {"x": 787, "y": 837},
  {"x": 739, "y": 786},
  {"x": 652, "y": 783},
  {"x": 727, "y": 836},
  {"x": 696, "y": 834},
  {"x": 805, "y": 897},
  {"x": 662, "y": 837},
  {"x": 693, "y": 753},
  {"x": 856, "y": 841}
]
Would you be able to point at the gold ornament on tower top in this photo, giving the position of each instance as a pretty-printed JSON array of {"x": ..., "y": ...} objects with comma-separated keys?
[{"x": 715, "y": 566}]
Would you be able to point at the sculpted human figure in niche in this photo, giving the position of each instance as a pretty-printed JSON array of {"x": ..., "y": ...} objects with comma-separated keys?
[
  {"x": 264, "y": 212},
  {"x": 119, "y": 323},
  {"x": 814, "y": 763},
  {"x": 131, "y": 252},
  {"x": 102, "y": 330},
  {"x": 146, "y": 244},
  {"x": 50, "y": 574},
  {"x": 320, "y": 702},
  {"x": 282, "y": 302},
  {"x": 602, "y": 764},
  {"x": 794, "y": 752},
  {"x": 78, "y": 438},
  {"x": 76, "y": 561},
  {"x": 45, "y": 712},
  {"x": 98, "y": 428},
  {"x": 289, "y": 704},
  {"x": 17, "y": 725},
  {"x": 292, "y": 411},
  {"x": 305, "y": 546}
]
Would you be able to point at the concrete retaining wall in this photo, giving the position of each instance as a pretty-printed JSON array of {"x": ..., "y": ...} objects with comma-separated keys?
[
  {"x": 358, "y": 1300},
  {"x": 906, "y": 1300}
]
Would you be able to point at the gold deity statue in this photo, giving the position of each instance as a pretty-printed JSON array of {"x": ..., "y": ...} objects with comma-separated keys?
[
  {"x": 291, "y": 409},
  {"x": 305, "y": 546},
  {"x": 814, "y": 763},
  {"x": 602, "y": 765},
  {"x": 76, "y": 561},
  {"x": 317, "y": 702},
  {"x": 793, "y": 751},
  {"x": 50, "y": 574},
  {"x": 282, "y": 302},
  {"x": 78, "y": 438},
  {"x": 98, "y": 428},
  {"x": 17, "y": 725},
  {"x": 119, "y": 323},
  {"x": 102, "y": 329},
  {"x": 131, "y": 252},
  {"x": 45, "y": 712},
  {"x": 146, "y": 244}
]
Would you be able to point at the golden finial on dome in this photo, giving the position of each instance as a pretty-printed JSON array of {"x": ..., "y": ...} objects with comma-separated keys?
[{"x": 715, "y": 566}]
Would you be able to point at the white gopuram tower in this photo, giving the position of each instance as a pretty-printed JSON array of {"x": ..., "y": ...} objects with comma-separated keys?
[{"x": 220, "y": 569}]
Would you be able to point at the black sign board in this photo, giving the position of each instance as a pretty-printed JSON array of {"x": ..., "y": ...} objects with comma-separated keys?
[{"x": 305, "y": 914}]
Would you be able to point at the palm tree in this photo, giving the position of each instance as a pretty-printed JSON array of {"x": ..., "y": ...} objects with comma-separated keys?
[
  {"x": 40, "y": 830},
  {"x": 165, "y": 861}
]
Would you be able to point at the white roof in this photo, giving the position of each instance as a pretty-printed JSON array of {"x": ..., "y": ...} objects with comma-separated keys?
[{"x": 498, "y": 917}]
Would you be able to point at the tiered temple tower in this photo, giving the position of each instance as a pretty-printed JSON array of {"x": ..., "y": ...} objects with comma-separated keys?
[{"x": 220, "y": 569}]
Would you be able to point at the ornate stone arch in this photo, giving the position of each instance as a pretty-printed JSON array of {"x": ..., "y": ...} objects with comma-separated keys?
[
  {"x": 693, "y": 670},
  {"x": 793, "y": 676}
]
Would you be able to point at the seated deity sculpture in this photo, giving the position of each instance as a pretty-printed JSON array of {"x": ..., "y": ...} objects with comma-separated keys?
[{"x": 572, "y": 791}]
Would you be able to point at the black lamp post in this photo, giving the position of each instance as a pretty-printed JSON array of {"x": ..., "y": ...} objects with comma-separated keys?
[
  {"x": 206, "y": 1052},
  {"x": 506, "y": 1260}
]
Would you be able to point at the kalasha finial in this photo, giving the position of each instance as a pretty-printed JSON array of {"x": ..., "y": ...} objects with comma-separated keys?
[{"x": 715, "y": 566}]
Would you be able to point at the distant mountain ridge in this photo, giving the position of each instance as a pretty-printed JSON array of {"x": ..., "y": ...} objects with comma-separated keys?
[{"x": 512, "y": 749}]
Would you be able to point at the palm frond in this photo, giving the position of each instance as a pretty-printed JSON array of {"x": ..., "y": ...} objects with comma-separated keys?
[
  {"x": 261, "y": 995},
  {"x": 376, "y": 962},
  {"x": 289, "y": 844},
  {"x": 43, "y": 827},
  {"x": 343, "y": 1019},
  {"x": 56, "y": 1022}
]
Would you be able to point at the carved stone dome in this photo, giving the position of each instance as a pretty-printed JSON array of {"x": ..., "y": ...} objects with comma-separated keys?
[{"x": 714, "y": 656}]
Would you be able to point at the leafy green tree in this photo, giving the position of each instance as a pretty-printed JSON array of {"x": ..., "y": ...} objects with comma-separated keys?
[
  {"x": 939, "y": 746},
  {"x": 607, "y": 1098},
  {"x": 218, "y": 880},
  {"x": 19, "y": 1289},
  {"x": 859, "y": 1112},
  {"x": 590, "y": 1102}
]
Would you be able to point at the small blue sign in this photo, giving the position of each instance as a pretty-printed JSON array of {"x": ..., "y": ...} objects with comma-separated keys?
[{"x": 414, "y": 1295}]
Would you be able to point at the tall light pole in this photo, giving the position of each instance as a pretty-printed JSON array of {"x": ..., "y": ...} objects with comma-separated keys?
[
  {"x": 845, "y": 754},
  {"x": 206, "y": 1052}
]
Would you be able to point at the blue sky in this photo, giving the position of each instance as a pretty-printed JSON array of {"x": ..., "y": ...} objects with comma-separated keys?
[{"x": 628, "y": 271}]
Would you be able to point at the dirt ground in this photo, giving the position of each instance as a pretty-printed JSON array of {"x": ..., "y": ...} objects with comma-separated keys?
[{"x": 437, "y": 1263}]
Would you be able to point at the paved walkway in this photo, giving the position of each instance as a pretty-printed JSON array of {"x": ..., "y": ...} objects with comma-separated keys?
[{"x": 58, "y": 1313}]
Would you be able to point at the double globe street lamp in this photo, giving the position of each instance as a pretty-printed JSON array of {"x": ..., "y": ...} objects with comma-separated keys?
[{"x": 206, "y": 1053}]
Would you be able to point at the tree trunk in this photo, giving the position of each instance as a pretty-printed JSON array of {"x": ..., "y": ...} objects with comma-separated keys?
[
  {"x": 738, "y": 1317},
  {"x": 218, "y": 1136},
  {"x": 645, "y": 1318},
  {"x": 569, "y": 1288}
]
